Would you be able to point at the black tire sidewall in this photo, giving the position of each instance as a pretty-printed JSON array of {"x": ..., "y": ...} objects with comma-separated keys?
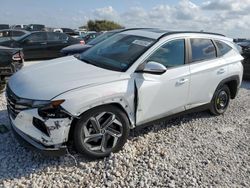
[{"x": 78, "y": 136}]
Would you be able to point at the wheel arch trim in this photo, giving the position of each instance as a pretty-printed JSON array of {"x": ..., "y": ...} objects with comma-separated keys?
[
  {"x": 119, "y": 102},
  {"x": 228, "y": 80}
]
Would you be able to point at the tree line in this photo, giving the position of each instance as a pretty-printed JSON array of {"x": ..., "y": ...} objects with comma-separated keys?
[{"x": 101, "y": 25}]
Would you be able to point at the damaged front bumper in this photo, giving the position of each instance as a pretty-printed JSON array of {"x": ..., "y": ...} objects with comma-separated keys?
[
  {"x": 49, "y": 140},
  {"x": 28, "y": 142}
]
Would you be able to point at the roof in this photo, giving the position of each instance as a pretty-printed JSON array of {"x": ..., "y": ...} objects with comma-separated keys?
[
  {"x": 15, "y": 30},
  {"x": 156, "y": 33}
]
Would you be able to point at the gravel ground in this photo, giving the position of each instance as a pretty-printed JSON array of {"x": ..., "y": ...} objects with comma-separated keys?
[{"x": 195, "y": 150}]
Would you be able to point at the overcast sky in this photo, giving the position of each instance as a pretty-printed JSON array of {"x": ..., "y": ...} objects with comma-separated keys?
[{"x": 230, "y": 17}]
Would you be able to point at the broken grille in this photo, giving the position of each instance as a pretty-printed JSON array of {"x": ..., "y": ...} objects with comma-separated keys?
[{"x": 14, "y": 104}]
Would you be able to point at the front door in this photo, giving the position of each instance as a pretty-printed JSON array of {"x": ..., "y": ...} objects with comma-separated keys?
[
  {"x": 56, "y": 42},
  {"x": 34, "y": 46},
  {"x": 165, "y": 94}
]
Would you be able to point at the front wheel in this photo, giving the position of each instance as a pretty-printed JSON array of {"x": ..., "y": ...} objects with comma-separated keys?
[
  {"x": 101, "y": 131},
  {"x": 220, "y": 101}
]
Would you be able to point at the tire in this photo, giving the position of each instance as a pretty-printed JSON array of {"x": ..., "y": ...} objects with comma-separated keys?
[
  {"x": 101, "y": 131},
  {"x": 220, "y": 101}
]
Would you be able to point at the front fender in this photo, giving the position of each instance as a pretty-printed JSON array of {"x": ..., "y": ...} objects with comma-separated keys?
[{"x": 120, "y": 92}]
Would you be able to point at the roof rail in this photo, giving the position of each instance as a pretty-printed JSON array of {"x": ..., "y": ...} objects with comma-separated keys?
[
  {"x": 137, "y": 28},
  {"x": 180, "y": 32}
]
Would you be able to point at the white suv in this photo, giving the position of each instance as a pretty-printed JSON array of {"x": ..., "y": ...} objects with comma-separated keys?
[{"x": 130, "y": 79}]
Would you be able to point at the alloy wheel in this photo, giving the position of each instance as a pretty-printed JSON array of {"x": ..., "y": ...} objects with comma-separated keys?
[{"x": 101, "y": 132}]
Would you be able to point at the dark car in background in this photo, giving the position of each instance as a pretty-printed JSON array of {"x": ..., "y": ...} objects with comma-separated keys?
[
  {"x": 20, "y": 26},
  {"x": 79, "y": 48},
  {"x": 11, "y": 60},
  {"x": 4, "y": 26},
  {"x": 35, "y": 27},
  {"x": 42, "y": 45},
  {"x": 9, "y": 34},
  {"x": 69, "y": 31},
  {"x": 246, "y": 54}
]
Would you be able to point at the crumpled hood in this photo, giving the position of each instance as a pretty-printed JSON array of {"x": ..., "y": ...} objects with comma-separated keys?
[{"x": 47, "y": 79}]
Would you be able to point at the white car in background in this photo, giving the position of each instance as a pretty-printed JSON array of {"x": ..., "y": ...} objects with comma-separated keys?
[{"x": 130, "y": 79}]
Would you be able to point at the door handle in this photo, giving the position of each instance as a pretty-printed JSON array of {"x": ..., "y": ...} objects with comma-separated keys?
[
  {"x": 182, "y": 81},
  {"x": 221, "y": 71},
  {"x": 43, "y": 43}
]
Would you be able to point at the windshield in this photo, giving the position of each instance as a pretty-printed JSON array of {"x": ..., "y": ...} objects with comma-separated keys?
[
  {"x": 21, "y": 37},
  {"x": 101, "y": 38},
  {"x": 117, "y": 52}
]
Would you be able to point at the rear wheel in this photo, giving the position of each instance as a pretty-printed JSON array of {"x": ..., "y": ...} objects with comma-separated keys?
[
  {"x": 220, "y": 100},
  {"x": 101, "y": 131}
]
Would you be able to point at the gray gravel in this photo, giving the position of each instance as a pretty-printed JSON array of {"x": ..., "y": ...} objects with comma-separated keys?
[{"x": 195, "y": 150}]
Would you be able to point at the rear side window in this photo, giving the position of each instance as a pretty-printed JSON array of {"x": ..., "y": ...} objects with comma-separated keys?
[
  {"x": 171, "y": 54},
  {"x": 223, "y": 48},
  {"x": 202, "y": 49},
  {"x": 56, "y": 36},
  {"x": 37, "y": 37}
]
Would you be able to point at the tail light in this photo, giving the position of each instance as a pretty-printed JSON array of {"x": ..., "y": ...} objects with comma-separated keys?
[
  {"x": 82, "y": 42},
  {"x": 18, "y": 56}
]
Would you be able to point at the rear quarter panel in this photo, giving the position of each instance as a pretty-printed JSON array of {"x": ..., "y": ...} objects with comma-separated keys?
[{"x": 235, "y": 67}]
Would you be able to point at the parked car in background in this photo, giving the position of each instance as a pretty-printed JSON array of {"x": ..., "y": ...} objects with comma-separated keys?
[
  {"x": 42, "y": 45},
  {"x": 79, "y": 48},
  {"x": 21, "y": 26},
  {"x": 35, "y": 27},
  {"x": 4, "y": 26},
  {"x": 246, "y": 54},
  {"x": 130, "y": 79},
  {"x": 9, "y": 34},
  {"x": 90, "y": 36},
  {"x": 11, "y": 60},
  {"x": 84, "y": 33},
  {"x": 70, "y": 32},
  {"x": 58, "y": 30}
]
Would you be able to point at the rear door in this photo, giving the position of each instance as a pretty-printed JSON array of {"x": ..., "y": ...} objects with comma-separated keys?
[
  {"x": 34, "y": 45},
  {"x": 56, "y": 42},
  {"x": 207, "y": 70}
]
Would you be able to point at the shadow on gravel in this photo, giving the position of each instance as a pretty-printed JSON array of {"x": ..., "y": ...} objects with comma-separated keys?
[
  {"x": 245, "y": 84},
  {"x": 168, "y": 123},
  {"x": 4, "y": 118}
]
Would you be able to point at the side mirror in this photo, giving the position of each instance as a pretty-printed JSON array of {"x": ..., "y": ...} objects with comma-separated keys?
[{"x": 152, "y": 67}]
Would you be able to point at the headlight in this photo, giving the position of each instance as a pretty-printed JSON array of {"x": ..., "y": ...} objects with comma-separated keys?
[
  {"x": 46, "y": 109},
  {"x": 37, "y": 104},
  {"x": 51, "y": 109},
  {"x": 33, "y": 103},
  {"x": 52, "y": 104}
]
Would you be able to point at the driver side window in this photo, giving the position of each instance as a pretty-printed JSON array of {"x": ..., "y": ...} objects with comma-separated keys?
[
  {"x": 171, "y": 54},
  {"x": 37, "y": 37}
]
